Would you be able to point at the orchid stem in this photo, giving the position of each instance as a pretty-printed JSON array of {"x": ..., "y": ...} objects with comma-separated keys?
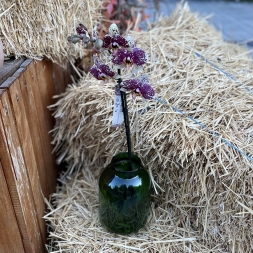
[{"x": 126, "y": 121}]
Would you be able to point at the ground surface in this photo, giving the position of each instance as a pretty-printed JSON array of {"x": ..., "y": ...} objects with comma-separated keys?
[{"x": 234, "y": 19}]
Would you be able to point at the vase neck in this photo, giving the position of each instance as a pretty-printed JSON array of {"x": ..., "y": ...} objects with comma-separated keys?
[{"x": 121, "y": 163}]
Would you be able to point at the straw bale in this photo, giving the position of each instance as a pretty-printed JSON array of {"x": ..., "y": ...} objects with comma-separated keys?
[
  {"x": 1, "y": 54},
  {"x": 203, "y": 186},
  {"x": 37, "y": 28},
  {"x": 74, "y": 224}
]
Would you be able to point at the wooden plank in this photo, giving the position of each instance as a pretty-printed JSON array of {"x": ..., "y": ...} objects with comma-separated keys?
[
  {"x": 44, "y": 70},
  {"x": 61, "y": 78},
  {"x": 15, "y": 172},
  {"x": 26, "y": 142},
  {"x": 26, "y": 63},
  {"x": 9, "y": 230},
  {"x": 43, "y": 90},
  {"x": 7, "y": 83},
  {"x": 25, "y": 147},
  {"x": 26, "y": 82},
  {"x": 19, "y": 72},
  {"x": 9, "y": 67}
]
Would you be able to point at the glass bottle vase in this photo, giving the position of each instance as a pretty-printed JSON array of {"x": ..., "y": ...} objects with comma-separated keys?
[{"x": 124, "y": 195}]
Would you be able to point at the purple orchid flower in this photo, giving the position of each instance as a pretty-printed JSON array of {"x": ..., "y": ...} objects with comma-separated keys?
[
  {"x": 83, "y": 33},
  {"x": 128, "y": 58},
  {"x": 100, "y": 70},
  {"x": 139, "y": 87},
  {"x": 82, "y": 30},
  {"x": 114, "y": 40}
]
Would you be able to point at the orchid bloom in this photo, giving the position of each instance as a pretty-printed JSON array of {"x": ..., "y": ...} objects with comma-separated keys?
[
  {"x": 114, "y": 40},
  {"x": 139, "y": 87},
  {"x": 83, "y": 33},
  {"x": 125, "y": 55},
  {"x": 100, "y": 70},
  {"x": 128, "y": 58}
]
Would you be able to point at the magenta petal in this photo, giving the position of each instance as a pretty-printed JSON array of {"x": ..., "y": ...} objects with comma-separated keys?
[
  {"x": 147, "y": 91},
  {"x": 81, "y": 29},
  {"x": 120, "y": 40},
  {"x": 139, "y": 57},
  {"x": 119, "y": 56},
  {"x": 107, "y": 41},
  {"x": 95, "y": 71},
  {"x": 106, "y": 70},
  {"x": 101, "y": 67},
  {"x": 130, "y": 84}
]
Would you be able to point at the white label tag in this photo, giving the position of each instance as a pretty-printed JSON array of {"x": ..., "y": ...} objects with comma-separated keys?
[{"x": 117, "y": 117}]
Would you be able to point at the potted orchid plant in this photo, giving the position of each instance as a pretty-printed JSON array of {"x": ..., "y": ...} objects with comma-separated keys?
[{"x": 124, "y": 184}]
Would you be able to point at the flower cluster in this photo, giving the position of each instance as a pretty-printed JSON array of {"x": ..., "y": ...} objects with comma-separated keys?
[{"x": 123, "y": 54}]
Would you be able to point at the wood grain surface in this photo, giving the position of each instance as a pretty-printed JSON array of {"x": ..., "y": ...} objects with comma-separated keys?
[
  {"x": 9, "y": 230},
  {"x": 28, "y": 171},
  {"x": 16, "y": 174}
]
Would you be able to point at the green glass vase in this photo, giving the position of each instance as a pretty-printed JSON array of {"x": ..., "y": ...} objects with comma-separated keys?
[{"x": 124, "y": 195}]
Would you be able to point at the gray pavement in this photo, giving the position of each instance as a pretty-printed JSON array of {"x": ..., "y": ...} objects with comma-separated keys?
[{"x": 234, "y": 19}]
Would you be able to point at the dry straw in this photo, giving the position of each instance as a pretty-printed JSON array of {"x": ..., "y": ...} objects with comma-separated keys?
[
  {"x": 203, "y": 187},
  {"x": 38, "y": 28}
]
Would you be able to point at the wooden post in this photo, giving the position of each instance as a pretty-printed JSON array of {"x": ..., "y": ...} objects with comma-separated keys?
[
  {"x": 28, "y": 171},
  {"x": 9, "y": 229}
]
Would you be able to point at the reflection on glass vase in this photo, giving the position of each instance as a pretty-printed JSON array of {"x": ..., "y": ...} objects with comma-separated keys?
[{"x": 124, "y": 194}]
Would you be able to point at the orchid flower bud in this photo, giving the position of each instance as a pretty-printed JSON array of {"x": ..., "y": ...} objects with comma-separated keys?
[
  {"x": 74, "y": 39},
  {"x": 98, "y": 44},
  {"x": 113, "y": 30},
  {"x": 130, "y": 41}
]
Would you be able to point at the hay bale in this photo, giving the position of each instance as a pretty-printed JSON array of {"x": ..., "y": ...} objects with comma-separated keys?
[
  {"x": 37, "y": 29},
  {"x": 75, "y": 227},
  {"x": 1, "y": 54},
  {"x": 203, "y": 181}
]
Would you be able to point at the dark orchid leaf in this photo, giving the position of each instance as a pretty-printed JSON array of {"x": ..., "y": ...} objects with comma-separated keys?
[{"x": 139, "y": 57}]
